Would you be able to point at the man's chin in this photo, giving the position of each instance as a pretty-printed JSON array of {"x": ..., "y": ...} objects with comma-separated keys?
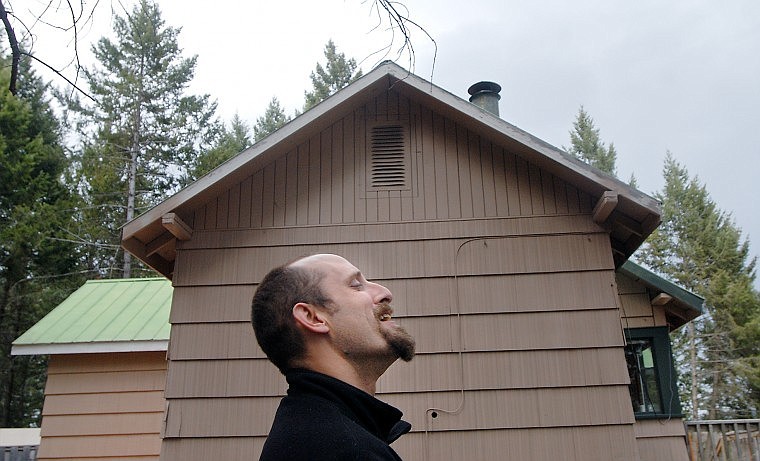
[{"x": 403, "y": 346}]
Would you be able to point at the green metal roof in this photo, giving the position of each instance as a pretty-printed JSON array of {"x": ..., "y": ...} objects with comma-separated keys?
[
  {"x": 690, "y": 305},
  {"x": 118, "y": 315}
]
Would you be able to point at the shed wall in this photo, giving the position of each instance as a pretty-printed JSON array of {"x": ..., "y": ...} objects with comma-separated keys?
[
  {"x": 103, "y": 406},
  {"x": 496, "y": 268}
]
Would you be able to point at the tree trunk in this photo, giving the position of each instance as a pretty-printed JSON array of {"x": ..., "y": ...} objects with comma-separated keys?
[
  {"x": 10, "y": 416},
  {"x": 132, "y": 179},
  {"x": 6, "y": 337},
  {"x": 134, "y": 150},
  {"x": 693, "y": 362}
]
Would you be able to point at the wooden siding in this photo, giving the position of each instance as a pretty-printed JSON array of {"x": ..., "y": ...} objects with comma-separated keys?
[
  {"x": 599, "y": 443},
  {"x": 637, "y": 309},
  {"x": 661, "y": 440},
  {"x": 496, "y": 268},
  {"x": 322, "y": 178},
  {"x": 104, "y": 406},
  {"x": 526, "y": 325}
]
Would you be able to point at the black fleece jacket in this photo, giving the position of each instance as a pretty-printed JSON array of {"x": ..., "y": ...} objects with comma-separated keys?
[{"x": 323, "y": 418}]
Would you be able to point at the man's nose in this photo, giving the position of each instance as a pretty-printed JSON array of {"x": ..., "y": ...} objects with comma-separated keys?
[{"x": 382, "y": 295}]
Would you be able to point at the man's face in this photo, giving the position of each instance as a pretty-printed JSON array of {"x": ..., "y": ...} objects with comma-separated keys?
[{"x": 360, "y": 315}]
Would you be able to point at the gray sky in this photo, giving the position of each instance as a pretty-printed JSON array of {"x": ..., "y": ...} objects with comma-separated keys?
[{"x": 656, "y": 76}]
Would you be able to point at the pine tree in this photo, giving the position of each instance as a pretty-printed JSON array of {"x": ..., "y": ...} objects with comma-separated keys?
[
  {"x": 231, "y": 142},
  {"x": 700, "y": 248},
  {"x": 586, "y": 144},
  {"x": 38, "y": 263},
  {"x": 337, "y": 73},
  {"x": 144, "y": 130},
  {"x": 273, "y": 119},
  {"x": 633, "y": 182}
]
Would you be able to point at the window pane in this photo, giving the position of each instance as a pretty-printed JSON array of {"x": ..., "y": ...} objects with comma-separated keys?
[{"x": 645, "y": 392}]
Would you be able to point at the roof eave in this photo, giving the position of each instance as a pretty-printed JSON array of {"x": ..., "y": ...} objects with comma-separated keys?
[
  {"x": 685, "y": 305},
  {"x": 91, "y": 348}
]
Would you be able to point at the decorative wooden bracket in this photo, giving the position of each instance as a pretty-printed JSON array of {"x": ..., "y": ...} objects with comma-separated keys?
[
  {"x": 661, "y": 299},
  {"x": 176, "y": 226},
  {"x": 605, "y": 206}
]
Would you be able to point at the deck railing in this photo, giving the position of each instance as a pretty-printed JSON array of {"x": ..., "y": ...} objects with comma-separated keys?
[
  {"x": 727, "y": 440},
  {"x": 20, "y": 453}
]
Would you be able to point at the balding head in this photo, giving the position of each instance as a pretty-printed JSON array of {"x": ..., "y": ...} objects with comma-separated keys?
[{"x": 272, "y": 309}]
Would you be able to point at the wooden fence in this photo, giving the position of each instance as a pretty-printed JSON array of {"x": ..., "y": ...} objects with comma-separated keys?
[
  {"x": 22, "y": 453},
  {"x": 727, "y": 440}
]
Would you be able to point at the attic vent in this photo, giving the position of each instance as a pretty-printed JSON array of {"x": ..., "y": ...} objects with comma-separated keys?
[{"x": 389, "y": 158}]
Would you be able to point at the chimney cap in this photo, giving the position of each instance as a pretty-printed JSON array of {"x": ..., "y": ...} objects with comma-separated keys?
[{"x": 484, "y": 87}]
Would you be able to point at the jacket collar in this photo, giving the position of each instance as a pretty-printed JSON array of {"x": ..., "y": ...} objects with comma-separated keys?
[{"x": 377, "y": 417}]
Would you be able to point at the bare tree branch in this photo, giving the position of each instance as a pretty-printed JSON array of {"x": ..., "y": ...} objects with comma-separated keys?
[
  {"x": 74, "y": 21},
  {"x": 15, "y": 50},
  {"x": 397, "y": 16},
  {"x": 77, "y": 14},
  {"x": 60, "y": 75}
]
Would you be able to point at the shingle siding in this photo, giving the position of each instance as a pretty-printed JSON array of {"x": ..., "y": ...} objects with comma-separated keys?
[{"x": 496, "y": 267}]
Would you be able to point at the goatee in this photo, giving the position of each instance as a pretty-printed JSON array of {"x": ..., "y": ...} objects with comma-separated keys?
[{"x": 402, "y": 344}]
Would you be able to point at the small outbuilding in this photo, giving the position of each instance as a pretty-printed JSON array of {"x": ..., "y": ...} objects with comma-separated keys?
[{"x": 104, "y": 396}]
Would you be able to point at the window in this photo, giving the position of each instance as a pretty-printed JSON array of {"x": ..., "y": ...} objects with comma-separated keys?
[{"x": 653, "y": 379}]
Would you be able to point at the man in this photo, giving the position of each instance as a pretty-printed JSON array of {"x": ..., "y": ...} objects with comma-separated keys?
[{"x": 331, "y": 333}]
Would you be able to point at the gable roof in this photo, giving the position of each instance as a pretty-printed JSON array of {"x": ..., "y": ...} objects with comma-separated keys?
[
  {"x": 680, "y": 305},
  {"x": 119, "y": 315},
  {"x": 629, "y": 214}
]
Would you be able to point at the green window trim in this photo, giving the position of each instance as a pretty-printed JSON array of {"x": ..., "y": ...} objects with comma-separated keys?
[{"x": 654, "y": 390}]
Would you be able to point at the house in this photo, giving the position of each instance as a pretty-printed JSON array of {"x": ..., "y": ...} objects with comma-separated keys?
[
  {"x": 107, "y": 344},
  {"x": 114, "y": 408},
  {"x": 504, "y": 254}
]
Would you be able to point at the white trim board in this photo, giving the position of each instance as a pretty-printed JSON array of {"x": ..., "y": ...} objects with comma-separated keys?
[{"x": 90, "y": 348}]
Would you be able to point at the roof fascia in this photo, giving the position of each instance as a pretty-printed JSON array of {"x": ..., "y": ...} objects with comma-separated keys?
[{"x": 90, "y": 348}]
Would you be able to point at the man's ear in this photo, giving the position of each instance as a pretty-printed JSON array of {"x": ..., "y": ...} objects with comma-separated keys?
[{"x": 311, "y": 318}]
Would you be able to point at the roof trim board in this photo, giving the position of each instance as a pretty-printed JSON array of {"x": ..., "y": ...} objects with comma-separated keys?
[{"x": 90, "y": 348}]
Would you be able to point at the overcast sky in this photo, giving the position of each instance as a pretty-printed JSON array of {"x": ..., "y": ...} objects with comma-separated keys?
[{"x": 680, "y": 75}]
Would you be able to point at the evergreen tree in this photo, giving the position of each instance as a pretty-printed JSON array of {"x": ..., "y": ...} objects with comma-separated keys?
[
  {"x": 38, "y": 263},
  {"x": 231, "y": 142},
  {"x": 586, "y": 144},
  {"x": 273, "y": 119},
  {"x": 633, "y": 182},
  {"x": 144, "y": 130},
  {"x": 700, "y": 248},
  {"x": 337, "y": 73}
]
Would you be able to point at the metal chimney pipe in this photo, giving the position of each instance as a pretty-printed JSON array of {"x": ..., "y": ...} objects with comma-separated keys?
[{"x": 486, "y": 96}]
